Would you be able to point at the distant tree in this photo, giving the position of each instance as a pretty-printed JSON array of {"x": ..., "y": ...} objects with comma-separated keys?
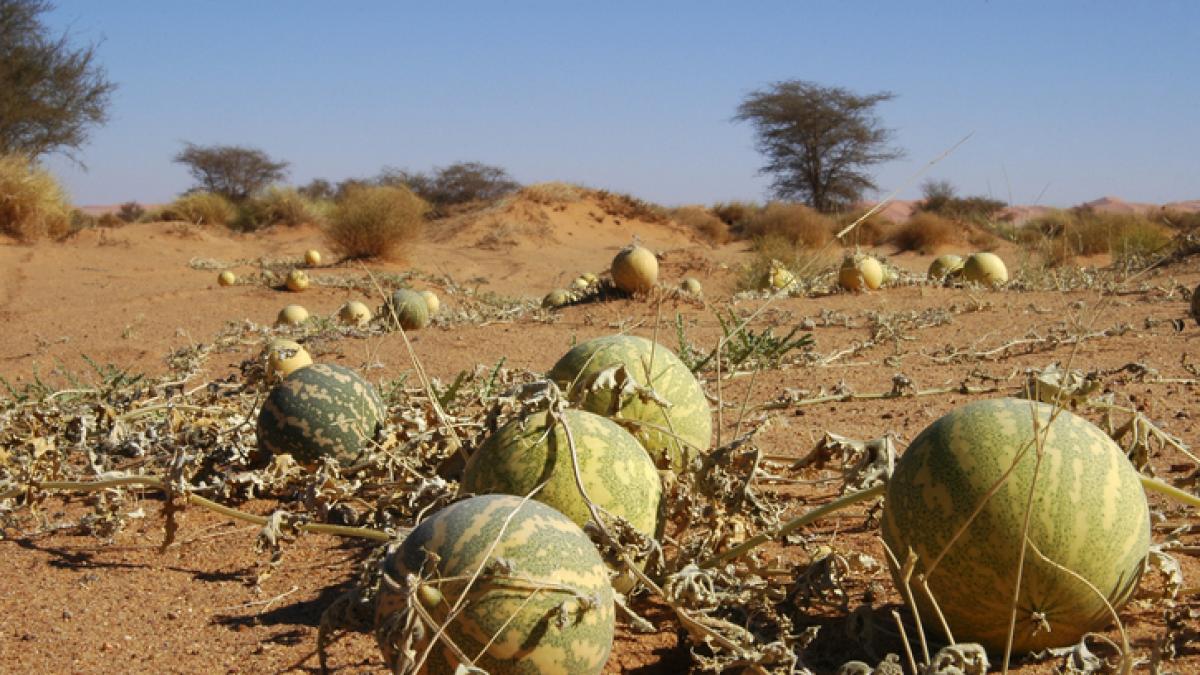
[
  {"x": 458, "y": 183},
  {"x": 936, "y": 194},
  {"x": 318, "y": 188},
  {"x": 232, "y": 171},
  {"x": 941, "y": 197},
  {"x": 131, "y": 212},
  {"x": 818, "y": 141},
  {"x": 51, "y": 94}
]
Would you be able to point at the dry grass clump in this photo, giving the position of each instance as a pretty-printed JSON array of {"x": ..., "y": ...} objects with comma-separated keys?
[
  {"x": 199, "y": 208},
  {"x": 552, "y": 193},
  {"x": 277, "y": 206},
  {"x": 703, "y": 222},
  {"x": 1062, "y": 235},
  {"x": 872, "y": 231},
  {"x": 32, "y": 203},
  {"x": 371, "y": 222},
  {"x": 797, "y": 223},
  {"x": 926, "y": 233},
  {"x": 619, "y": 205},
  {"x": 735, "y": 214}
]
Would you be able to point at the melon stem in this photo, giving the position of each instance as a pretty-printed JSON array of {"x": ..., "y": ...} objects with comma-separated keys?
[
  {"x": 1169, "y": 491},
  {"x": 796, "y": 523}
]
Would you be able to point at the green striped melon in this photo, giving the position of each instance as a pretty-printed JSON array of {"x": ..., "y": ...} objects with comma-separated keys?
[
  {"x": 320, "y": 410},
  {"x": 618, "y": 475},
  {"x": 673, "y": 434},
  {"x": 1089, "y": 515},
  {"x": 985, "y": 268},
  {"x": 945, "y": 266},
  {"x": 542, "y": 603},
  {"x": 411, "y": 309}
]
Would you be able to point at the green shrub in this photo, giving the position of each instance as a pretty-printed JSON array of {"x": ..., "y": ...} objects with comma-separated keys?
[
  {"x": 703, "y": 222},
  {"x": 276, "y": 206},
  {"x": 925, "y": 233},
  {"x": 795, "y": 222},
  {"x": 200, "y": 208},
  {"x": 371, "y": 222},
  {"x": 32, "y": 203}
]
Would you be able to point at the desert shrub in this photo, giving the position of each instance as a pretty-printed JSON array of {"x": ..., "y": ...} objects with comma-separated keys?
[
  {"x": 109, "y": 220},
  {"x": 620, "y": 205},
  {"x": 552, "y": 193},
  {"x": 926, "y": 232},
  {"x": 81, "y": 220},
  {"x": 232, "y": 171},
  {"x": 131, "y": 212},
  {"x": 370, "y": 222},
  {"x": 276, "y": 206},
  {"x": 802, "y": 260},
  {"x": 703, "y": 222},
  {"x": 1180, "y": 221},
  {"x": 872, "y": 231},
  {"x": 798, "y": 223},
  {"x": 200, "y": 208},
  {"x": 318, "y": 189},
  {"x": 735, "y": 214},
  {"x": 941, "y": 198},
  {"x": 32, "y": 203},
  {"x": 1084, "y": 232}
]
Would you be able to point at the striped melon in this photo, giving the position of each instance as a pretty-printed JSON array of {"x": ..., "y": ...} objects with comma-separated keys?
[
  {"x": 411, "y": 309},
  {"x": 617, "y": 473},
  {"x": 542, "y": 603},
  {"x": 985, "y": 268},
  {"x": 673, "y": 432},
  {"x": 1089, "y": 515},
  {"x": 321, "y": 410}
]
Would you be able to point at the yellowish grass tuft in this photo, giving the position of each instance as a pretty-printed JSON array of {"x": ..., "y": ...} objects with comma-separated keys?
[
  {"x": 372, "y": 222},
  {"x": 32, "y": 203}
]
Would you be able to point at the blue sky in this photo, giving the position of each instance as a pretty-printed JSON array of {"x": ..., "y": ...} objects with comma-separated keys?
[{"x": 1067, "y": 100}]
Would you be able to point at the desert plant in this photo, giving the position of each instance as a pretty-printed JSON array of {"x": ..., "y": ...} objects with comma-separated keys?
[
  {"x": 458, "y": 183},
  {"x": 735, "y": 214},
  {"x": 232, "y": 171},
  {"x": 32, "y": 203},
  {"x": 371, "y": 222},
  {"x": 818, "y": 140},
  {"x": 870, "y": 231},
  {"x": 318, "y": 188},
  {"x": 200, "y": 208},
  {"x": 51, "y": 94},
  {"x": 552, "y": 193},
  {"x": 925, "y": 233},
  {"x": 942, "y": 198},
  {"x": 703, "y": 222},
  {"x": 276, "y": 205},
  {"x": 797, "y": 223},
  {"x": 131, "y": 212}
]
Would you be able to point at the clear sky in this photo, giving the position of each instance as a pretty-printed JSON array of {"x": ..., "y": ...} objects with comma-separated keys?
[{"x": 1068, "y": 101}]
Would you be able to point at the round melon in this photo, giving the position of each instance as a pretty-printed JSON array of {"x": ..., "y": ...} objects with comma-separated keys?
[
  {"x": 312, "y": 257},
  {"x": 673, "y": 434},
  {"x": 985, "y": 268},
  {"x": 431, "y": 302},
  {"x": 292, "y": 315},
  {"x": 354, "y": 313},
  {"x": 226, "y": 278},
  {"x": 542, "y": 603},
  {"x": 692, "y": 286},
  {"x": 860, "y": 272},
  {"x": 780, "y": 277},
  {"x": 318, "y": 411},
  {"x": 635, "y": 269},
  {"x": 1089, "y": 516},
  {"x": 297, "y": 280},
  {"x": 556, "y": 298},
  {"x": 411, "y": 309},
  {"x": 617, "y": 473},
  {"x": 944, "y": 265},
  {"x": 285, "y": 357}
]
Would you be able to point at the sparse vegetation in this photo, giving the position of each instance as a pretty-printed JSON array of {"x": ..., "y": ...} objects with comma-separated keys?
[
  {"x": 1062, "y": 235},
  {"x": 235, "y": 172},
  {"x": 703, "y": 222},
  {"x": 941, "y": 198},
  {"x": 456, "y": 184},
  {"x": 199, "y": 208},
  {"x": 797, "y": 223},
  {"x": 277, "y": 205},
  {"x": 925, "y": 233},
  {"x": 131, "y": 212},
  {"x": 372, "y": 222},
  {"x": 32, "y": 203}
]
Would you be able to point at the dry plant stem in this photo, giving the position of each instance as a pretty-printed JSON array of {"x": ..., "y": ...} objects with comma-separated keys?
[
  {"x": 154, "y": 482},
  {"x": 796, "y": 523},
  {"x": 912, "y": 662},
  {"x": 851, "y": 396},
  {"x": 1170, "y": 491}
]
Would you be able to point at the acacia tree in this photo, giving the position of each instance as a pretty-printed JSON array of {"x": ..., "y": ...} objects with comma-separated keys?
[
  {"x": 233, "y": 171},
  {"x": 51, "y": 94},
  {"x": 818, "y": 140}
]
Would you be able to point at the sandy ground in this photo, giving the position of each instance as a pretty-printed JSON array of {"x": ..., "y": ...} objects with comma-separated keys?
[{"x": 129, "y": 296}]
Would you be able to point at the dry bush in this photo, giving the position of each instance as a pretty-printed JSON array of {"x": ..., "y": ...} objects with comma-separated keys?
[
  {"x": 1084, "y": 232},
  {"x": 371, "y": 222},
  {"x": 1181, "y": 221},
  {"x": 277, "y": 206},
  {"x": 872, "y": 231},
  {"x": 625, "y": 206},
  {"x": 32, "y": 203},
  {"x": 926, "y": 233},
  {"x": 131, "y": 212},
  {"x": 735, "y": 214},
  {"x": 703, "y": 222},
  {"x": 199, "y": 208},
  {"x": 552, "y": 193},
  {"x": 798, "y": 223}
]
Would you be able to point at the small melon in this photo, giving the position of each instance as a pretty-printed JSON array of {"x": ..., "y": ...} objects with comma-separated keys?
[
  {"x": 354, "y": 313},
  {"x": 531, "y": 590},
  {"x": 1088, "y": 530},
  {"x": 226, "y": 278},
  {"x": 312, "y": 257},
  {"x": 297, "y": 280},
  {"x": 944, "y": 266},
  {"x": 431, "y": 302},
  {"x": 692, "y": 286},
  {"x": 285, "y": 357},
  {"x": 860, "y": 272},
  {"x": 635, "y": 269},
  {"x": 292, "y": 315},
  {"x": 556, "y": 298},
  {"x": 985, "y": 268},
  {"x": 780, "y": 276},
  {"x": 410, "y": 309},
  {"x": 673, "y": 431},
  {"x": 320, "y": 410}
]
